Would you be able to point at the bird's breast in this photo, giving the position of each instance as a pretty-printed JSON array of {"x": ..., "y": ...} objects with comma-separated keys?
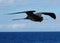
[{"x": 38, "y": 19}]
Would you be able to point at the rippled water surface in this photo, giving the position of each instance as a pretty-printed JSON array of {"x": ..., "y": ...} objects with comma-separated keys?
[{"x": 29, "y": 37}]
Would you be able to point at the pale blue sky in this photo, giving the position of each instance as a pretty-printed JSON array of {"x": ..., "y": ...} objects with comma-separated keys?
[{"x": 10, "y": 6}]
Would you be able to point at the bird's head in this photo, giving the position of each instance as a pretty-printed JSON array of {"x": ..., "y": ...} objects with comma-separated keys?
[{"x": 41, "y": 19}]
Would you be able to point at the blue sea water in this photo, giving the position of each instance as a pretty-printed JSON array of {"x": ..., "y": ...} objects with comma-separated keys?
[{"x": 29, "y": 37}]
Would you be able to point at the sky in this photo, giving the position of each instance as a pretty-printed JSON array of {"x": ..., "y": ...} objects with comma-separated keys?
[{"x": 11, "y": 6}]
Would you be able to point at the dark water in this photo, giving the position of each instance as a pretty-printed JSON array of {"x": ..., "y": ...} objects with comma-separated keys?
[{"x": 29, "y": 37}]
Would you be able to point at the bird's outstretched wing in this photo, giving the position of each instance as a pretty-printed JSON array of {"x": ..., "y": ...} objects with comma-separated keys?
[
  {"x": 18, "y": 19},
  {"x": 50, "y": 14},
  {"x": 21, "y": 12}
]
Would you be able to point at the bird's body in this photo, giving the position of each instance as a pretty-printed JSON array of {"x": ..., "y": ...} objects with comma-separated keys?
[{"x": 35, "y": 17}]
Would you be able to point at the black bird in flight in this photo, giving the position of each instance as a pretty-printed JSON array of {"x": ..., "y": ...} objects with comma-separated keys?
[{"x": 35, "y": 16}]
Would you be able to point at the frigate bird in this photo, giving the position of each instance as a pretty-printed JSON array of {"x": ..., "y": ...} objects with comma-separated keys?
[{"x": 35, "y": 16}]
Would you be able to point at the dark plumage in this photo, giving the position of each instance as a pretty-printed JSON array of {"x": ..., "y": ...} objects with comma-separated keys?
[{"x": 36, "y": 16}]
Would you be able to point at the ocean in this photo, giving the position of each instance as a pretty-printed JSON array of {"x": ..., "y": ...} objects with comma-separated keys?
[{"x": 29, "y": 37}]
